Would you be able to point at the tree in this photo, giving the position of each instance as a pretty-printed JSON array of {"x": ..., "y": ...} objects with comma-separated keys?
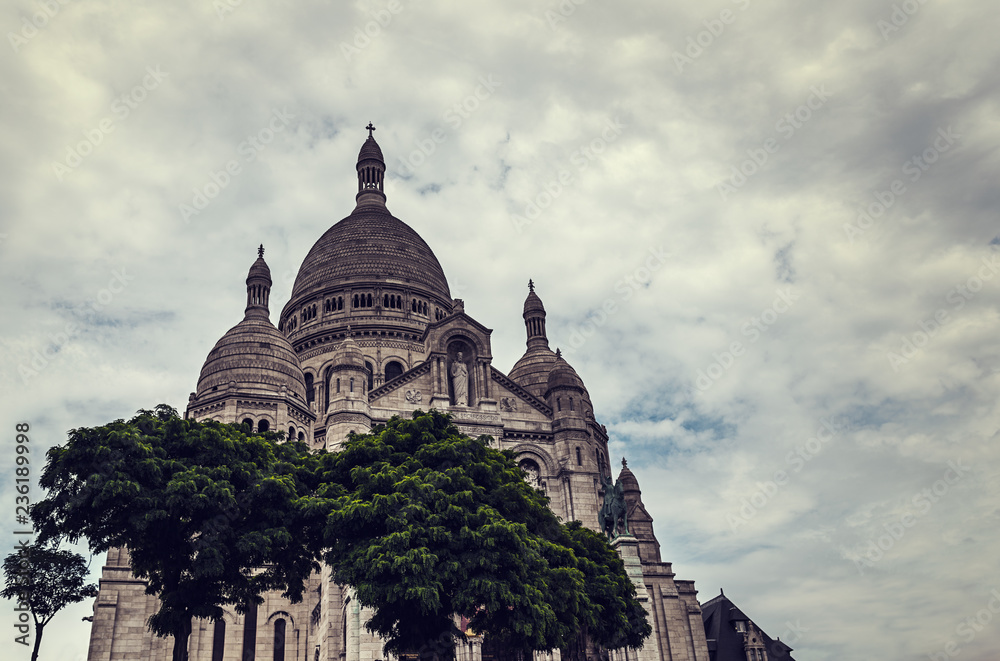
[
  {"x": 209, "y": 515},
  {"x": 426, "y": 523},
  {"x": 45, "y": 580}
]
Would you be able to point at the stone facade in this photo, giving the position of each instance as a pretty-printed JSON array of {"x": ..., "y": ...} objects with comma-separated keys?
[{"x": 371, "y": 331}]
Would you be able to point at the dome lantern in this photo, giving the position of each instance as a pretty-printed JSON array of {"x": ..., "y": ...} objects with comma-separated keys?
[
  {"x": 371, "y": 172},
  {"x": 258, "y": 286}
]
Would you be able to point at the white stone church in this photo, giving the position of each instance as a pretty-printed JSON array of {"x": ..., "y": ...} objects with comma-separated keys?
[{"x": 371, "y": 331}]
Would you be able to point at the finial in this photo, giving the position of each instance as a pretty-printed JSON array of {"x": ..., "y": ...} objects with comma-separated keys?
[
  {"x": 624, "y": 463},
  {"x": 370, "y": 129},
  {"x": 260, "y": 251},
  {"x": 558, "y": 353},
  {"x": 349, "y": 334},
  {"x": 531, "y": 285}
]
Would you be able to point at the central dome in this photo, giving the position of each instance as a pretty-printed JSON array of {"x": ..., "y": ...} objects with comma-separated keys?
[{"x": 370, "y": 245}]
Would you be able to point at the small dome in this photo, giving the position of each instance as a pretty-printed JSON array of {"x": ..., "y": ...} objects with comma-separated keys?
[
  {"x": 629, "y": 482},
  {"x": 370, "y": 150},
  {"x": 531, "y": 372},
  {"x": 259, "y": 269},
  {"x": 255, "y": 356},
  {"x": 533, "y": 303},
  {"x": 349, "y": 353},
  {"x": 563, "y": 376}
]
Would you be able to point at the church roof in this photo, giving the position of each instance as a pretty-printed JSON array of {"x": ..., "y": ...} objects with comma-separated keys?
[
  {"x": 370, "y": 245},
  {"x": 725, "y": 643}
]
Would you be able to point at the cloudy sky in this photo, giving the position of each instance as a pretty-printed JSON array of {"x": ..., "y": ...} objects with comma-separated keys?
[{"x": 765, "y": 233}]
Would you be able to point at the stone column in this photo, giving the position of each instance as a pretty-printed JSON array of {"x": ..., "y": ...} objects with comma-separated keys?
[{"x": 628, "y": 548}]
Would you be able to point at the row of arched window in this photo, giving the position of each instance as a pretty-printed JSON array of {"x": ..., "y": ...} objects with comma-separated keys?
[
  {"x": 249, "y": 638},
  {"x": 262, "y": 426},
  {"x": 358, "y": 301}
]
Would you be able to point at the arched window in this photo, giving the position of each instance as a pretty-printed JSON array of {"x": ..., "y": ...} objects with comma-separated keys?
[
  {"x": 385, "y": 300},
  {"x": 279, "y": 640},
  {"x": 338, "y": 385},
  {"x": 393, "y": 369},
  {"x": 371, "y": 375},
  {"x": 413, "y": 305},
  {"x": 369, "y": 300},
  {"x": 326, "y": 391},
  {"x": 291, "y": 434},
  {"x": 559, "y": 403},
  {"x": 310, "y": 389},
  {"x": 355, "y": 300},
  {"x": 340, "y": 302},
  {"x": 579, "y": 458},
  {"x": 571, "y": 404},
  {"x": 248, "y": 422},
  {"x": 219, "y": 640},
  {"x": 302, "y": 436},
  {"x": 352, "y": 384},
  {"x": 263, "y": 426}
]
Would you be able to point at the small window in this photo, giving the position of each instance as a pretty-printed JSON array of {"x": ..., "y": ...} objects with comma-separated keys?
[
  {"x": 263, "y": 426},
  {"x": 352, "y": 384},
  {"x": 579, "y": 458},
  {"x": 279, "y": 640}
]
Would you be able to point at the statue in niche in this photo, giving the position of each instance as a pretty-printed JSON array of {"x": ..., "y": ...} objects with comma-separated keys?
[
  {"x": 460, "y": 381},
  {"x": 532, "y": 474}
]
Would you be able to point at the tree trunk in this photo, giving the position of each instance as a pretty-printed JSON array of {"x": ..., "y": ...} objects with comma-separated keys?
[
  {"x": 39, "y": 629},
  {"x": 181, "y": 635}
]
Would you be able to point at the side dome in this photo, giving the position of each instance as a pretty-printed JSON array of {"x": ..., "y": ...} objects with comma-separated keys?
[
  {"x": 253, "y": 356},
  {"x": 370, "y": 245},
  {"x": 257, "y": 357},
  {"x": 563, "y": 376},
  {"x": 349, "y": 353},
  {"x": 531, "y": 372}
]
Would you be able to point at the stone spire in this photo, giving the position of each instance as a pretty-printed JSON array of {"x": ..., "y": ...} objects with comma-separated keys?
[
  {"x": 258, "y": 287},
  {"x": 371, "y": 172},
  {"x": 534, "y": 319}
]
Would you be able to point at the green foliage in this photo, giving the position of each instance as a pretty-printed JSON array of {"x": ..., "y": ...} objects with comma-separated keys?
[
  {"x": 209, "y": 515},
  {"x": 425, "y": 522}
]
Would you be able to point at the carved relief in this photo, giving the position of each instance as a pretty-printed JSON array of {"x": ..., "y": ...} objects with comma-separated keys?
[
  {"x": 413, "y": 396},
  {"x": 508, "y": 404}
]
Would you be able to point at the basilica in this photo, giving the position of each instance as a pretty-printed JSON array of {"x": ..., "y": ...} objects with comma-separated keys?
[{"x": 370, "y": 331}]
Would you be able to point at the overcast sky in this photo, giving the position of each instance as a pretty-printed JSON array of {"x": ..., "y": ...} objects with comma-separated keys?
[{"x": 765, "y": 234}]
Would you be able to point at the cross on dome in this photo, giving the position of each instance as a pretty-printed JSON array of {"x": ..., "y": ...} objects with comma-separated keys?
[
  {"x": 531, "y": 285},
  {"x": 260, "y": 251},
  {"x": 370, "y": 129}
]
